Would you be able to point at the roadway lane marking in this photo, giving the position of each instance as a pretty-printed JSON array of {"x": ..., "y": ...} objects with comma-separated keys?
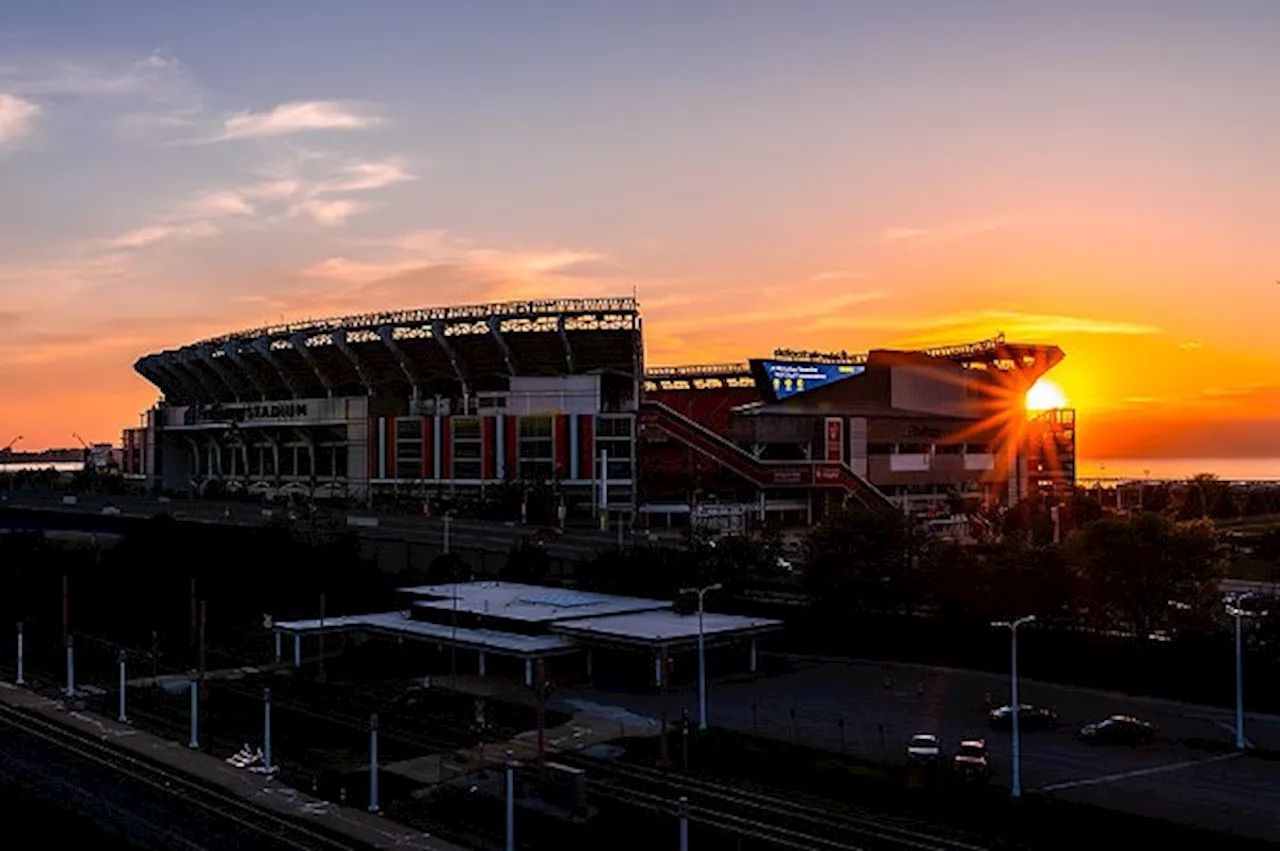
[{"x": 1141, "y": 772}]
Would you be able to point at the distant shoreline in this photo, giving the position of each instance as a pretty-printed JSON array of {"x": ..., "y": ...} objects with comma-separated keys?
[{"x": 1232, "y": 469}]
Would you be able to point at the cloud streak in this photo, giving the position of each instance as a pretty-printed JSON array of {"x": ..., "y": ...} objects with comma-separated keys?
[
  {"x": 298, "y": 117},
  {"x": 17, "y": 117},
  {"x": 945, "y": 233},
  {"x": 1012, "y": 322}
]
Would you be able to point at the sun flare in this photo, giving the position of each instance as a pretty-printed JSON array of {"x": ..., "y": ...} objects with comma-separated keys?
[{"x": 1045, "y": 395}]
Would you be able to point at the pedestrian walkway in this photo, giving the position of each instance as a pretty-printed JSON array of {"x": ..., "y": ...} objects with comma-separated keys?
[{"x": 362, "y": 827}]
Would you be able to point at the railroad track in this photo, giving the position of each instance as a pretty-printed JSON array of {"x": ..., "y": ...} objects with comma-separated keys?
[
  {"x": 281, "y": 831},
  {"x": 779, "y": 821}
]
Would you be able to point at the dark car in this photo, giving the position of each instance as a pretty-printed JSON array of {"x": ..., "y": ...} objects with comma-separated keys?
[
  {"x": 971, "y": 760},
  {"x": 1029, "y": 718},
  {"x": 1119, "y": 730}
]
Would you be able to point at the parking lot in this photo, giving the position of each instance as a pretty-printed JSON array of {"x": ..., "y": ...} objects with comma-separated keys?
[{"x": 1190, "y": 773}]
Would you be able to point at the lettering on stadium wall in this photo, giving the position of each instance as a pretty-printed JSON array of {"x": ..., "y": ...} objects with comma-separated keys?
[{"x": 196, "y": 414}]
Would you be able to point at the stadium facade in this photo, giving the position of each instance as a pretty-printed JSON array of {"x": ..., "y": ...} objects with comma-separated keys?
[{"x": 445, "y": 403}]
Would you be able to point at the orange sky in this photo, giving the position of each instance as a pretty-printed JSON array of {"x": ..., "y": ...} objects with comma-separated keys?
[{"x": 839, "y": 176}]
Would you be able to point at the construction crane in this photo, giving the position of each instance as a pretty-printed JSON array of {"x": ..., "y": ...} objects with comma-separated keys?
[{"x": 8, "y": 447}]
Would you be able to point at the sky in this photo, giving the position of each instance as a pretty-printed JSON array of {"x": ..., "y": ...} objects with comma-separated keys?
[{"x": 795, "y": 173}]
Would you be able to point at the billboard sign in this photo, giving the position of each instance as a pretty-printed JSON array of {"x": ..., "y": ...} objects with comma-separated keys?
[{"x": 789, "y": 378}]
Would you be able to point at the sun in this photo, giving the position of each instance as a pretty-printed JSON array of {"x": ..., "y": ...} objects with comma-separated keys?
[{"x": 1045, "y": 395}]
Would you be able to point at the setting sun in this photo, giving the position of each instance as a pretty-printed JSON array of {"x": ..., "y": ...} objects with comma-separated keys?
[{"x": 1045, "y": 395}]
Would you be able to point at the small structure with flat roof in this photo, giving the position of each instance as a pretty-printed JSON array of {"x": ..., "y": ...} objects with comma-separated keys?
[{"x": 532, "y": 622}]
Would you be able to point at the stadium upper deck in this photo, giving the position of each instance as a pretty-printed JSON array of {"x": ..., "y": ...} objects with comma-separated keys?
[{"x": 443, "y": 351}]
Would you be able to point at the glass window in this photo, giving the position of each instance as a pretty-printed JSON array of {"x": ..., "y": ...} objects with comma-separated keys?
[{"x": 468, "y": 448}]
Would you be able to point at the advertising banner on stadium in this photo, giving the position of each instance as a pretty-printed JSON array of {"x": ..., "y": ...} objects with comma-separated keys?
[
  {"x": 788, "y": 378},
  {"x": 834, "y": 430}
]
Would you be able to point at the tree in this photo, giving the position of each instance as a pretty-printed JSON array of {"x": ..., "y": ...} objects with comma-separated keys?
[
  {"x": 858, "y": 558},
  {"x": 448, "y": 567},
  {"x": 1149, "y": 574}
]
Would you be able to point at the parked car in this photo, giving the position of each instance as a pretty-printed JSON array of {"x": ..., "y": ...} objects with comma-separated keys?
[
  {"x": 924, "y": 748},
  {"x": 970, "y": 760},
  {"x": 1029, "y": 718},
  {"x": 1118, "y": 730}
]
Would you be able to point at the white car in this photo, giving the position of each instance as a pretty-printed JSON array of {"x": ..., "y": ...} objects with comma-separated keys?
[{"x": 924, "y": 747}]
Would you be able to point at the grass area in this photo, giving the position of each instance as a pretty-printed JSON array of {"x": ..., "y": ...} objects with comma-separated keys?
[{"x": 1254, "y": 570}]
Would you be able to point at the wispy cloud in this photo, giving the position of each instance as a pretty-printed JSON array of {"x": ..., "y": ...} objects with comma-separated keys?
[
  {"x": 57, "y": 77},
  {"x": 363, "y": 176},
  {"x": 898, "y": 233},
  {"x": 836, "y": 275},
  {"x": 1190, "y": 346},
  {"x": 17, "y": 116},
  {"x": 217, "y": 204},
  {"x": 1012, "y": 322},
  {"x": 946, "y": 232},
  {"x": 143, "y": 237},
  {"x": 299, "y": 117},
  {"x": 329, "y": 212}
]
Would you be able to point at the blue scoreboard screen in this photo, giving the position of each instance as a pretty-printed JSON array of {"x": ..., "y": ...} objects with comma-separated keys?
[{"x": 788, "y": 378}]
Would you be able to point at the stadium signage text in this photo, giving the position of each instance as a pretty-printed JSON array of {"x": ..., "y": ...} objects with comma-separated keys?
[{"x": 244, "y": 413}]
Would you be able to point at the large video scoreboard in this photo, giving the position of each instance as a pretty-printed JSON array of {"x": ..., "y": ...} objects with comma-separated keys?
[{"x": 783, "y": 379}]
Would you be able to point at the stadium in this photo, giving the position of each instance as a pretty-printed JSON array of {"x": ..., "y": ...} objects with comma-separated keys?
[{"x": 445, "y": 404}]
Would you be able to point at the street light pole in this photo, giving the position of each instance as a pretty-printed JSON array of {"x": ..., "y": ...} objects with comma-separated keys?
[
  {"x": 702, "y": 653},
  {"x": 1016, "y": 761},
  {"x": 1236, "y": 609}
]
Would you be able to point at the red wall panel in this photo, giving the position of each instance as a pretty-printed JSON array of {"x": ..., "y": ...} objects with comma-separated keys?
[
  {"x": 586, "y": 446},
  {"x": 560, "y": 445}
]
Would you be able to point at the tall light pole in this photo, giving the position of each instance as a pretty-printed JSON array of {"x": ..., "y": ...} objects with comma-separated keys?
[
  {"x": 1012, "y": 626},
  {"x": 1236, "y": 609},
  {"x": 702, "y": 652}
]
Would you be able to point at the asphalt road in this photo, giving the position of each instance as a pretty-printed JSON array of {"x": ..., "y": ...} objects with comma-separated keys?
[
  {"x": 1190, "y": 774},
  {"x": 464, "y": 534},
  {"x": 115, "y": 803}
]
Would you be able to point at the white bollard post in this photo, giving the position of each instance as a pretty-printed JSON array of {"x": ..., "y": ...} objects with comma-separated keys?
[
  {"x": 194, "y": 744},
  {"x": 511, "y": 802},
  {"x": 122, "y": 717},
  {"x": 20, "y": 681},
  {"x": 753, "y": 655},
  {"x": 528, "y": 672},
  {"x": 71, "y": 669},
  {"x": 297, "y": 650},
  {"x": 277, "y": 648},
  {"x": 482, "y": 673},
  {"x": 266, "y": 729},
  {"x": 684, "y": 823},
  {"x": 373, "y": 763}
]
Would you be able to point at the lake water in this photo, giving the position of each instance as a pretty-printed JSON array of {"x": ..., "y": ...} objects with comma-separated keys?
[{"x": 1178, "y": 468}]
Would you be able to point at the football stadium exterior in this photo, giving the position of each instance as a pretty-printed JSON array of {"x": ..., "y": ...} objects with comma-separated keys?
[{"x": 446, "y": 403}]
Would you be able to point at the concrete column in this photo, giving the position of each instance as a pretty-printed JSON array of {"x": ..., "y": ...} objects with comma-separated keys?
[
  {"x": 297, "y": 650},
  {"x": 71, "y": 669},
  {"x": 528, "y": 672},
  {"x": 500, "y": 456},
  {"x": 753, "y": 655},
  {"x": 382, "y": 448},
  {"x": 590, "y": 665},
  {"x": 657, "y": 668},
  {"x": 277, "y": 648},
  {"x": 575, "y": 471},
  {"x": 482, "y": 671}
]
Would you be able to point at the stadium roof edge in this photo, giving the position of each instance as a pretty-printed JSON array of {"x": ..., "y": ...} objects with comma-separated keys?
[{"x": 546, "y": 307}]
